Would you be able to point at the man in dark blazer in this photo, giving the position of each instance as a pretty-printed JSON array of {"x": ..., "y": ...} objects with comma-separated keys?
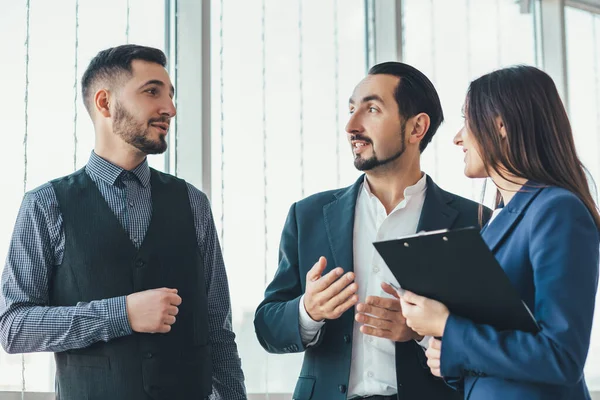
[{"x": 329, "y": 297}]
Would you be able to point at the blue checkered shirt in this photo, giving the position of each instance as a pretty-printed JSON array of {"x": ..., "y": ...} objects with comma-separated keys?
[{"x": 28, "y": 324}]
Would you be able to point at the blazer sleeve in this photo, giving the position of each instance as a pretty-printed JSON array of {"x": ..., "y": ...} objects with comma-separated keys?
[
  {"x": 276, "y": 321},
  {"x": 563, "y": 251}
]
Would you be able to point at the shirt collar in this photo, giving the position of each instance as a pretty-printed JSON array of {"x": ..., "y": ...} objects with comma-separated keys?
[
  {"x": 110, "y": 173},
  {"x": 410, "y": 191}
]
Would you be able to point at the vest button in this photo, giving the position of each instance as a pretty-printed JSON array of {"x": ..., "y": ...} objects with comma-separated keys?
[
  {"x": 347, "y": 338},
  {"x": 148, "y": 355},
  {"x": 342, "y": 388},
  {"x": 139, "y": 263}
]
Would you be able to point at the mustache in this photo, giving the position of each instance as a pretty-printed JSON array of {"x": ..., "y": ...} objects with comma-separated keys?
[
  {"x": 361, "y": 137},
  {"x": 166, "y": 120}
]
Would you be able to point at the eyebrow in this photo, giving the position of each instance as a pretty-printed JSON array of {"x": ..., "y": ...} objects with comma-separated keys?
[
  {"x": 158, "y": 83},
  {"x": 371, "y": 97}
]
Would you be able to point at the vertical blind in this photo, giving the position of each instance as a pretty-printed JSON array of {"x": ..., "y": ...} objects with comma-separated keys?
[
  {"x": 454, "y": 42},
  {"x": 47, "y": 131},
  {"x": 282, "y": 76},
  {"x": 583, "y": 73},
  {"x": 282, "y": 73}
]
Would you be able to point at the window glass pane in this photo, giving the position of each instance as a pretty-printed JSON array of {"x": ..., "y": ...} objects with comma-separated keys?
[
  {"x": 60, "y": 134},
  {"x": 454, "y": 42},
  {"x": 253, "y": 188},
  {"x": 583, "y": 52}
]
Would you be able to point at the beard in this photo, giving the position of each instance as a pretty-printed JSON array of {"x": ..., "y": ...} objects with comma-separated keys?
[
  {"x": 137, "y": 133},
  {"x": 367, "y": 164}
]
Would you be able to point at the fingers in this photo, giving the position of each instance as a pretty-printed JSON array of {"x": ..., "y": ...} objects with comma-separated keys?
[
  {"x": 169, "y": 319},
  {"x": 344, "y": 295},
  {"x": 174, "y": 299},
  {"x": 379, "y": 312},
  {"x": 342, "y": 308},
  {"x": 413, "y": 298},
  {"x": 390, "y": 304},
  {"x": 164, "y": 289},
  {"x": 383, "y": 324},
  {"x": 406, "y": 308},
  {"x": 164, "y": 328},
  {"x": 382, "y": 333},
  {"x": 433, "y": 363},
  {"x": 389, "y": 290},
  {"x": 315, "y": 272},
  {"x": 172, "y": 310},
  {"x": 433, "y": 353},
  {"x": 411, "y": 324},
  {"x": 325, "y": 281},
  {"x": 338, "y": 286}
]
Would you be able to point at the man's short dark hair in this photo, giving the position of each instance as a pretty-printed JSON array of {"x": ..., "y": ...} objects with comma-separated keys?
[
  {"x": 112, "y": 63},
  {"x": 414, "y": 94}
]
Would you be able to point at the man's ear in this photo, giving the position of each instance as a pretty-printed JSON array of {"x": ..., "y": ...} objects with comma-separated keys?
[
  {"x": 418, "y": 125},
  {"x": 102, "y": 102}
]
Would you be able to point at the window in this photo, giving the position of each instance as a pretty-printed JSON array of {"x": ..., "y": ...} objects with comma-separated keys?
[
  {"x": 282, "y": 76},
  {"x": 454, "y": 42},
  {"x": 282, "y": 72},
  {"x": 47, "y": 131},
  {"x": 583, "y": 70}
]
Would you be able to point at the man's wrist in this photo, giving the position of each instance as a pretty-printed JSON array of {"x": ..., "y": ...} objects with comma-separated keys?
[
  {"x": 119, "y": 324},
  {"x": 308, "y": 312},
  {"x": 305, "y": 317}
]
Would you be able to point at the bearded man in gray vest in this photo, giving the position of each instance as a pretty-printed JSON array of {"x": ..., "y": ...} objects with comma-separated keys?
[{"x": 116, "y": 268}]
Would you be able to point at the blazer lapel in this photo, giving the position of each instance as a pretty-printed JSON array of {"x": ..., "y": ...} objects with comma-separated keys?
[
  {"x": 339, "y": 225},
  {"x": 494, "y": 232},
  {"x": 436, "y": 213}
]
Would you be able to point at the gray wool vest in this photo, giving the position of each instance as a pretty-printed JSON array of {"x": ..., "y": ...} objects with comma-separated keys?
[{"x": 100, "y": 262}]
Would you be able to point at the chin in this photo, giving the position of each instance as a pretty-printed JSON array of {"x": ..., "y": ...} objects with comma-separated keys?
[{"x": 469, "y": 173}]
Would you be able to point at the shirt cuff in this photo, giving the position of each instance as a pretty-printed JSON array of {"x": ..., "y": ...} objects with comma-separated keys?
[
  {"x": 309, "y": 328},
  {"x": 118, "y": 323}
]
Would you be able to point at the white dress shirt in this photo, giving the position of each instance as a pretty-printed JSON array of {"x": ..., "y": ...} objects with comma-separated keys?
[{"x": 373, "y": 368}]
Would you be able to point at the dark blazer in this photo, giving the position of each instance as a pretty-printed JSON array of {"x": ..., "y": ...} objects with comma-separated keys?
[
  {"x": 322, "y": 225},
  {"x": 546, "y": 241}
]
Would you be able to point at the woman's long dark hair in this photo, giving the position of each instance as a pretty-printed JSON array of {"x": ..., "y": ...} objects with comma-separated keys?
[{"x": 539, "y": 143}]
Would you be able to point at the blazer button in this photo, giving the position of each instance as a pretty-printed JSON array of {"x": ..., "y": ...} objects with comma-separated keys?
[
  {"x": 139, "y": 263},
  {"x": 347, "y": 338},
  {"x": 342, "y": 388}
]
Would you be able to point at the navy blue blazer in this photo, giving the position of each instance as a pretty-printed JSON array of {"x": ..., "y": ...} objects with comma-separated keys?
[
  {"x": 322, "y": 225},
  {"x": 546, "y": 241}
]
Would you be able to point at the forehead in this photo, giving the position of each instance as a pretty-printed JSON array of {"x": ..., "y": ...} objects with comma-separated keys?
[
  {"x": 380, "y": 85},
  {"x": 144, "y": 71}
]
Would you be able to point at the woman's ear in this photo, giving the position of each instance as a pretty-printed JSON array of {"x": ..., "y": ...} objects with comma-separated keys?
[{"x": 501, "y": 128}]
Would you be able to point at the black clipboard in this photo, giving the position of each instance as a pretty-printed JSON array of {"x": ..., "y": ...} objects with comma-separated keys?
[{"x": 458, "y": 269}]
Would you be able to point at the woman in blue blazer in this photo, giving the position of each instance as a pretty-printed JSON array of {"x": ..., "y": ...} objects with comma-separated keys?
[{"x": 545, "y": 237}]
